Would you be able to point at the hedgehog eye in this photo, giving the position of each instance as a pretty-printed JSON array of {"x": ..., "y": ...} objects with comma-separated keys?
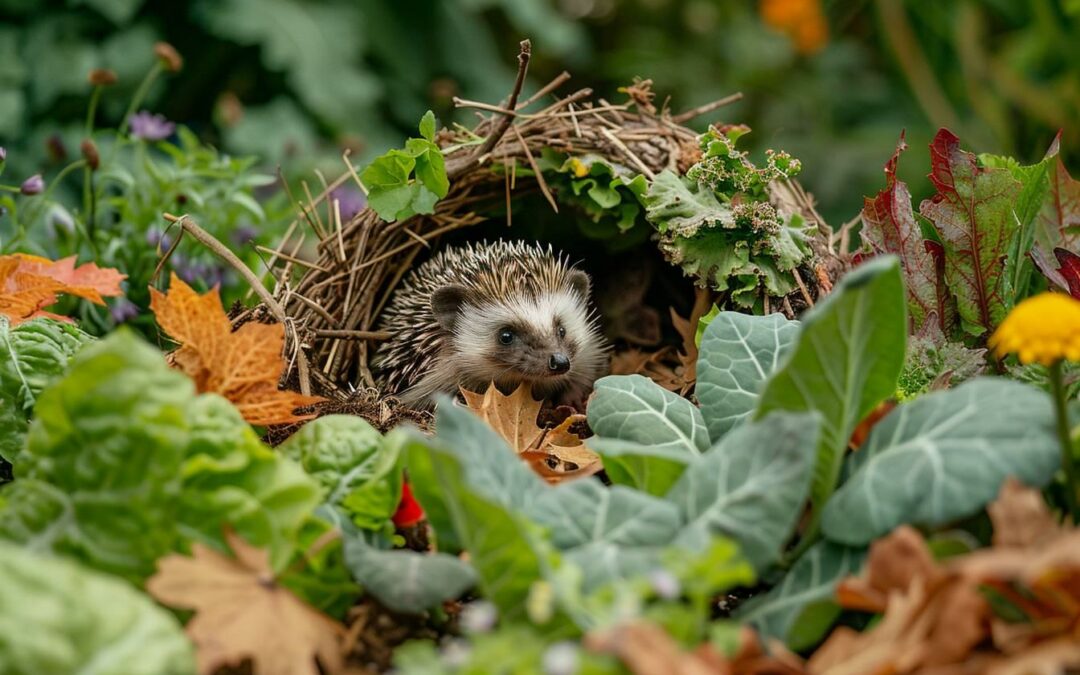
[
  {"x": 506, "y": 336},
  {"x": 562, "y": 332}
]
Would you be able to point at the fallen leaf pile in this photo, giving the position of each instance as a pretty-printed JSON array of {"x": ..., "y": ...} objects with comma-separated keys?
[
  {"x": 242, "y": 613},
  {"x": 647, "y": 649},
  {"x": 1011, "y": 609},
  {"x": 29, "y": 283},
  {"x": 243, "y": 366},
  {"x": 555, "y": 454}
]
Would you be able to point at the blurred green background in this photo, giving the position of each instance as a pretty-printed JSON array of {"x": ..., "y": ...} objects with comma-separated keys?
[{"x": 293, "y": 82}]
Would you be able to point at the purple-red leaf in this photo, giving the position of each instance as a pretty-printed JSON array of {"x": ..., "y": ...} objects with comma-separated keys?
[
  {"x": 1059, "y": 218},
  {"x": 889, "y": 227},
  {"x": 1070, "y": 270},
  {"x": 973, "y": 213}
]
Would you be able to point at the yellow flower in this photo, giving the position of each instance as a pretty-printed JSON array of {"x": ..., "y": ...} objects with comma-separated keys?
[
  {"x": 1043, "y": 329},
  {"x": 578, "y": 167},
  {"x": 802, "y": 20}
]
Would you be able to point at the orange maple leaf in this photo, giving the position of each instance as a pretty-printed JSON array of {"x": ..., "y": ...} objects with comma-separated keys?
[
  {"x": 243, "y": 366},
  {"x": 242, "y": 612},
  {"x": 30, "y": 283}
]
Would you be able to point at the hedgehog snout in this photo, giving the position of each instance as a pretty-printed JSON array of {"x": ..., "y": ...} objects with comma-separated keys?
[{"x": 559, "y": 363}]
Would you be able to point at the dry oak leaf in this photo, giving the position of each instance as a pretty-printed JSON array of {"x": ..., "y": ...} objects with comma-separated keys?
[
  {"x": 513, "y": 417},
  {"x": 243, "y": 366},
  {"x": 241, "y": 612},
  {"x": 1020, "y": 517},
  {"x": 556, "y": 454},
  {"x": 30, "y": 283}
]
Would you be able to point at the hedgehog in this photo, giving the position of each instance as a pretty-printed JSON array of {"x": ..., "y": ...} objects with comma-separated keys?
[{"x": 505, "y": 312}]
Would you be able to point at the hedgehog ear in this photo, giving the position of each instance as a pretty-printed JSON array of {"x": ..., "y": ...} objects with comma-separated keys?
[
  {"x": 446, "y": 304},
  {"x": 579, "y": 281}
]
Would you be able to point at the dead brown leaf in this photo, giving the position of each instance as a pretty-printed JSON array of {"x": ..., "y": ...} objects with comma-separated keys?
[
  {"x": 513, "y": 417},
  {"x": 241, "y": 612},
  {"x": 936, "y": 616},
  {"x": 30, "y": 283},
  {"x": 1020, "y": 517},
  {"x": 243, "y": 366},
  {"x": 555, "y": 454}
]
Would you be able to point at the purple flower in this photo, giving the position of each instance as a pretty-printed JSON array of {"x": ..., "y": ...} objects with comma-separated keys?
[
  {"x": 33, "y": 185},
  {"x": 150, "y": 127},
  {"x": 3, "y": 153},
  {"x": 350, "y": 200},
  {"x": 123, "y": 310},
  {"x": 246, "y": 233},
  {"x": 156, "y": 237}
]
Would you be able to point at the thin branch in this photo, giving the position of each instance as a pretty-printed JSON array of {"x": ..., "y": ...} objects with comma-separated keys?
[
  {"x": 626, "y": 151},
  {"x": 536, "y": 170},
  {"x": 707, "y": 108},
  {"x": 504, "y": 122}
]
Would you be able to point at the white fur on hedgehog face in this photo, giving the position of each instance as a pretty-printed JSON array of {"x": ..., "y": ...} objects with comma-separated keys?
[{"x": 527, "y": 339}]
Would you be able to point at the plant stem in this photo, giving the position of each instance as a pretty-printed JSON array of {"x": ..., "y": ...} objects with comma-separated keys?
[
  {"x": 1058, "y": 393},
  {"x": 88, "y": 189},
  {"x": 140, "y": 94}
]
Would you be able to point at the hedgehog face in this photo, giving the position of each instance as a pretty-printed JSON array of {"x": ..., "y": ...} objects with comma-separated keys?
[{"x": 545, "y": 339}]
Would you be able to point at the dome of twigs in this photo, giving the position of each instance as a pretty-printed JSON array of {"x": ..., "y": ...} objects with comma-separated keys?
[{"x": 333, "y": 309}]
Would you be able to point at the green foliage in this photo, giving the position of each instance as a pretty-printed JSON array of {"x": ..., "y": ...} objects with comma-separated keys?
[
  {"x": 750, "y": 486},
  {"x": 645, "y": 434},
  {"x": 124, "y": 464},
  {"x": 403, "y": 183},
  {"x": 743, "y": 351},
  {"x": 604, "y": 193},
  {"x": 32, "y": 355},
  {"x": 358, "y": 472},
  {"x": 800, "y": 609},
  {"x": 934, "y": 364},
  {"x": 61, "y": 618},
  {"x": 845, "y": 361},
  {"x": 943, "y": 457},
  {"x": 716, "y": 222},
  {"x": 403, "y": 580}
]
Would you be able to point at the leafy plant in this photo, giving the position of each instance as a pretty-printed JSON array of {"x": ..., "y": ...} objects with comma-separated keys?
[
  {"x": 839, "y": 363},
  {"x": 88, "y": 487},
  {"x": 34, "y": 353},
  {"x": 403, "y": 183},
  {"x": 716, "y": 222},
  {"x": 969, "y": 259},
  {"x": 57, "y": 616}
]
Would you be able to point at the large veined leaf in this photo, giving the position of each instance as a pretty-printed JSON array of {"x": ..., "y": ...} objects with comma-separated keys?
[
  {"x": 800, "y": 609},
  {"x": 60, "y": 618},
  {"x": 751, "y": 486},
  {"x": 845, "y": 361},
  {"x": 611, "y": 533},
  {"x": 636, "y": 409},
  {"x": 229, "y": 476},
  {"x": 404, "y": 580},
  {"x": 32, "y": 355},
  {"x": 102, "y": 460},
  {"x": 643, "y": 467},
  {"x": 124, "y": 463},
  {"x": 507, "y": 550},
  {"x": 973, "y": 213},
  {"x": 944, "y": 456},
  {"x": 738, "y": 353},
  {"x": 356, "y": 470},
  {"x": 889, "y": 227}
]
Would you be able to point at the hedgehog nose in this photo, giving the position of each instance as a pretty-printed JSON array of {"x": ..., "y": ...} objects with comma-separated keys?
[{"x": 559, "y": 363}]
